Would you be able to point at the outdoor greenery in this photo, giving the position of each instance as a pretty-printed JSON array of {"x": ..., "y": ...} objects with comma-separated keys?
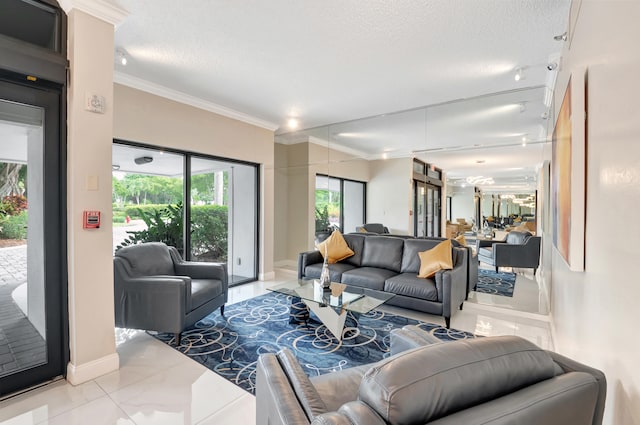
[
  {"x": 140, "y": 189},
  {"x": 14, "y": 226},
  {"x": 13, "y": 203},
  {"x": 158, "y": 202},
  {"x": 165, "y": 224},
  {"x": 327, "y": 209}
]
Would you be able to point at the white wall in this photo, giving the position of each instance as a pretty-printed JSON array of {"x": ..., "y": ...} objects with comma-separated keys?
[
  {"x": 147, "y": 118},
  {"x": 594, "y": 312},
  {"x": 462, "y": 204},
  {"x": 89, "y": 139},
  {"x": 389, "y": 194}
]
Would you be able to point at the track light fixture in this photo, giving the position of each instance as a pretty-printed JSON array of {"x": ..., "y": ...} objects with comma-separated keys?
[
  {"x": 121, "y": 57},
  {"x": 552, "y": 66},
  {"x": 561, "y": 37}
]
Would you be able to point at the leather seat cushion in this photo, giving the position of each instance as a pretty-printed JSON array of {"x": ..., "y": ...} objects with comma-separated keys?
[
  {"x": 336, "y": 270},
  {"x": 204, "y": 290},
  {"x": 410, "y": 285},
  {"x": 486, "y": 252},
  {"x": 367, "y": 277}
]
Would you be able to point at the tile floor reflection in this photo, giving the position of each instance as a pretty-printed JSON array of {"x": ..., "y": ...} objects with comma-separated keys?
[{"x": 158, "y": 385}]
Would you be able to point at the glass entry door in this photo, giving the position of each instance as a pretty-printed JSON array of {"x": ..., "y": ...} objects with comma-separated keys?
[
  {"x": 32, "y": 283},
  {"x": 427, "y": 210}
]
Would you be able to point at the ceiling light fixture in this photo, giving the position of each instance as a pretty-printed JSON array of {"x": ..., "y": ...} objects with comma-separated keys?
[
  {"x": 519, "y": 75},
  {"x": 561, "y": 37},
  {"x": 122, "y": 58},
  {"x": 475, "y": 180},
  {"x": 143, "y": 160},
  {"x": 552, "y": 66},
  {"x": 293, "y": 123}
]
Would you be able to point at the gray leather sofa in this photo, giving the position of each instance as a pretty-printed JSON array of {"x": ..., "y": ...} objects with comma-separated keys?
[
  {"x": 155, "y": 289},
  {"x": 520, "y": 249},
  {"x": 389, "y": 264},
  {"x": 494, "y": 380}
]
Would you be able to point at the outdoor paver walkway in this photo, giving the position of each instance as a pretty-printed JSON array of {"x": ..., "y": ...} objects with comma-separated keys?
[{"x": 21, "y": 346}]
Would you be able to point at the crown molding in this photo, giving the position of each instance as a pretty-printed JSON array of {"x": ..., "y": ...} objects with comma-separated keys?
[
  {"x": 101, "y": 9},
  {"x": 162, "y": 91}
]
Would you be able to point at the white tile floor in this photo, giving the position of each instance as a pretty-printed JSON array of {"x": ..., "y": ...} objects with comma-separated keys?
[{"x": 157, "y": 385}]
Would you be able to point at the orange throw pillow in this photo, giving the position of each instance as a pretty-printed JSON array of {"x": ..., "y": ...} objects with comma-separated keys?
[
  {"x": 435, "y": 259},
  {"x": 336, "y": 248}
]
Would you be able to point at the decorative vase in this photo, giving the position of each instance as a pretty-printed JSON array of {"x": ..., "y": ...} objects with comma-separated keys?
[{"x": 325, "y": 278}]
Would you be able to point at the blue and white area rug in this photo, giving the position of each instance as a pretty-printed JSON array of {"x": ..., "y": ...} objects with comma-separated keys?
[
  {"x": 230, "y": 345},
  {"x": 497, "y": 283}
]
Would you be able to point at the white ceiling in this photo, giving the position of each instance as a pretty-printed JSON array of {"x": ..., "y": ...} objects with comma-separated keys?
[{"x": 334, "y": 61}]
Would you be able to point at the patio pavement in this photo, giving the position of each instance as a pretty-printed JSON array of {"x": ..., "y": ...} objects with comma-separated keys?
[{"x": 21, "y": 346}]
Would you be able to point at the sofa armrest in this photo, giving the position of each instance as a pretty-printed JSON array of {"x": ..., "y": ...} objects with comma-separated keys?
[
  {"x": 409, "y": 337},
  {"x": 354, "y": 412},
  {"x": 276, "y": 399},
  {"x": 198, "y": 270},
  {"x": 307, "y": 258},
  {"x": 152, "y": 302},
  {"x": 568, "y": 365},
  {"x": 452, "y": 285}
]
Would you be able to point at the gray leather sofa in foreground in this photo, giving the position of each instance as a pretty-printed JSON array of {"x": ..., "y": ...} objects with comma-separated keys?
[
  {"x": 494, "y": 380},
  {"x": 156, "y": 290},
  {"x": 390, "y": 264}
]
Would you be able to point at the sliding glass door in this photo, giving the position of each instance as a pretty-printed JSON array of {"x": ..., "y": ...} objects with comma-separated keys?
[
  {"x": 32, "y": 255},
  {"x": 342, "y": 201},
  {"x": 211, "y": 216},
  {"x": 223, "y": 216}
]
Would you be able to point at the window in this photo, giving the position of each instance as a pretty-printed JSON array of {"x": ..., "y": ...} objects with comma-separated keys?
[
  {"x": 342, "y": 200},
  {"x": 219, "y": 222}
]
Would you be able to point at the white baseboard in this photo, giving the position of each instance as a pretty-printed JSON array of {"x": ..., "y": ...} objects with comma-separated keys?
[
  {"x": 267, "y": 276},
  {"x": 285, "y": 263},
  {"x": 79, "y": 374}
]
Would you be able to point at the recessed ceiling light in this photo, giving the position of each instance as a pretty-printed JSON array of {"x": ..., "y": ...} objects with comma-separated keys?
[
  {"x": 519, "y": 75},
  {"x": 293, "y": 123}
]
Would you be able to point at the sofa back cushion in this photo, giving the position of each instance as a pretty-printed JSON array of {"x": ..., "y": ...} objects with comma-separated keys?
[
  {"x": 517, "y": 238},
  {"x": 148, "y": 259},
  {"x": 356, "y": 243},
  {"x": 383, "y": 251},
  {"x": 427, "y": 383}
]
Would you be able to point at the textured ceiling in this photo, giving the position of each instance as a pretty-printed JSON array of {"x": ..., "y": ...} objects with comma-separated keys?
[{"x": 334, "y": 61}]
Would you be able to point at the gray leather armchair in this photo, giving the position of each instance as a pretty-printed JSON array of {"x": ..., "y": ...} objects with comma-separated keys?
[
  {"x": 520, "y": 249},
  {"x": 155, "y": 289},
  {"x": 493, "y": 380},
  {"x": 373, "y": 228}
]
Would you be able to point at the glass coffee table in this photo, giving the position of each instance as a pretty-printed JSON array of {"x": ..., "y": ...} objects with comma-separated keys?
[{"x": 331, "y": 305}]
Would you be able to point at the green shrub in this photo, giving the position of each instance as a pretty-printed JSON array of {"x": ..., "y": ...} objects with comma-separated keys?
[
  {"x": 13, "y": 204},
  {"x": 14, "y": 226},
  {"x": 163, "y": 225},
  {"x": 119, "y": 219},
  {"x": 209, "y": 228}
]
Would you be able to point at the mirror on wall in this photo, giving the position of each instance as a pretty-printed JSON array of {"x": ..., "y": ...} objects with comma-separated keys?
[{"x": 493, "y": 143}]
